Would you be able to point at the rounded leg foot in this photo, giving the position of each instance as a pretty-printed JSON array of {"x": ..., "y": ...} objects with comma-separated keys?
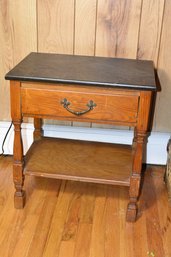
[{"x": 19, "y": 200}]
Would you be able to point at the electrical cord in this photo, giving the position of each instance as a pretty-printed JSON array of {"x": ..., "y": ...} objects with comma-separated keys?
[{"x": 5, "y": 139}]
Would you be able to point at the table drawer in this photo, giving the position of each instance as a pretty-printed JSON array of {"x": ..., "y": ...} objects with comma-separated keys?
[{"x": 80, "y": 104}]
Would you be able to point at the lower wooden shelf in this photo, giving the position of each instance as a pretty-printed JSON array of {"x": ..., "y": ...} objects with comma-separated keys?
[{"x": 80, "y": 160}]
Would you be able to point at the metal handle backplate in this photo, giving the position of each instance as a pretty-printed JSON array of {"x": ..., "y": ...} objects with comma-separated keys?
[{"x": 90, "y": 106}]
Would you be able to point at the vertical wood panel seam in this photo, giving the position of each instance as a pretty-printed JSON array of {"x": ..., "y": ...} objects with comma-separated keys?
[
  {"x": 74, "y": 24},
  {"x": 161, "y": 32},
  {"x": 138, "y": 40},
  {"x": 95, "y": 28},
  {"x": 37, "y": 26},
  {"x": 91, "y": 124},
  {"x": 74, "y": 27},
  {"x": 158, "y": 54}
]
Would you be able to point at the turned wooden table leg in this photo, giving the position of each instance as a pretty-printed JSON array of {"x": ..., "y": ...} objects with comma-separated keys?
[
  {"x": 18, "y": 164},
  {"x": 136, "y": 176},
  {"x": 18, "y": 176},
  {"x": 140, "y": 133},
  {"x": 134, "y": 139},
  {"x": 38, "y": 131}
]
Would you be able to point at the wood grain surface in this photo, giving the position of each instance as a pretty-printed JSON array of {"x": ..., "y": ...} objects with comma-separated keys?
[
  {"x": 103, "y": 104},
  {"x": 150, "y": 30},
  {"x": 132, "y": 28},
  {"x": 16, "y": 115},
  {"x": 56, "y": 31},
  {"x": 56, "y": 26},
  {"x": 85, "y": 25},
  {"x": 164, "y": 73},
  {"x": 117, "y": 28},
  {"x": 82, "y": 219},
  {"x": 79, "y": 160},
  {"x": 18, "y": 37},
  {"x": 108, "y": 108}
]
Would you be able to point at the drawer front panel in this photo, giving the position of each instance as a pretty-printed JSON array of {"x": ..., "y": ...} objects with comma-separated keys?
[{"x": 52, "y": 103}]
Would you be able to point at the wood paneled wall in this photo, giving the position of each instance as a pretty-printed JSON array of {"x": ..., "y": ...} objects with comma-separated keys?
[
  {"x": 114, "y": 28},
  {"x": 18, "y": 37}
]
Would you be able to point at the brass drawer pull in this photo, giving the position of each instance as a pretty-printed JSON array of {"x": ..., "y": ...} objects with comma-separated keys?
[{"x": 90, "y": 106}]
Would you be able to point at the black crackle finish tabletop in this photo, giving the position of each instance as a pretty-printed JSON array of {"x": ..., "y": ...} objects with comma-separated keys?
[{"x": 85, "y": 70}]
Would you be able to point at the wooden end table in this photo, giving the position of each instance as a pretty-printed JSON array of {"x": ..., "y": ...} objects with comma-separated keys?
[{"x": 85, "y": 89}]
